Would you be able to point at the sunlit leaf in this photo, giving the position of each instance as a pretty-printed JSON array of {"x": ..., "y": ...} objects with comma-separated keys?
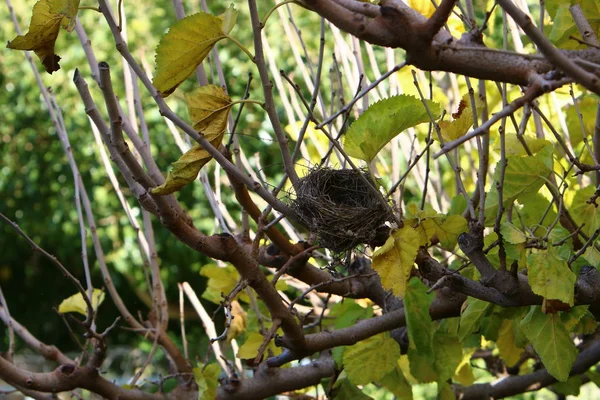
[
  {"x": 382, "y": 121},
  {"x": 220, "y": 280},
  {"x": 523, "y": 176},
  {"x": 462, "y": 119},
  {"x": 77, "y": 304},
  {"x": 446, "y": 228},
  {"x": 512, "y": 234},
  {"x": 371, "y": 359},
  {"x": 239, "y": 321},
  {"x": 584, "y": 213},
  {"x": 563, "y": 25},
  {"x": 424, "y": 7},
  {"x": 249, "y": 350},
  {"x": 550, "y": 276},
  {"x": 186, "y": 45},
  {"x": 579, "y": 128},
  {"x": 395, "y": 259},
  {"x": 48, "y": 17},
  {"x": 514, "y": 147},
  {"x": 209, "y": 107},
  {"x": 551, "y": 340},
  {"x": 207, "y": 379}
]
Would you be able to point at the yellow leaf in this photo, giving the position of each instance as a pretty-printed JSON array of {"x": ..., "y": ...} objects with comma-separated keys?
[
  {"x": 238, "y": 323},
  {"x": 229, "y": 17},
  {"x": 76, "y": 303},
  {"x": 394, "y": 260},
  {"x": 445, "y": 228},
  {"x": 464, "y": 372},
  {"x": 186, "y": 45},
  {"x": 48, "y": 16},
  {"x": 249, "y": 350},
  {"x": 424, "y": 7},
  {"x": 507, "y": 345},
  {"x": 209, "y": 107},
  {"x": 462, "y": 119}
]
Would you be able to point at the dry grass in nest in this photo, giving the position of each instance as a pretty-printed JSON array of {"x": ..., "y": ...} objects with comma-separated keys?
[{"x": 340, "y": 208}]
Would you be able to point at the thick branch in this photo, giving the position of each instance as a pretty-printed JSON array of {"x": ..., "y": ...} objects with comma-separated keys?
[
  {"x": 401, "y": 27},
  {"x": 270, "y": 381}
]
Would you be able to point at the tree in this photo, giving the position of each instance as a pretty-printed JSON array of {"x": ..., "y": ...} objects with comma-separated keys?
[{"x": 391, "y": 245}]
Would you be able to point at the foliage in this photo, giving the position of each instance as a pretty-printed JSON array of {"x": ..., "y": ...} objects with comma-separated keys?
[{"x": 461, "y": 255}]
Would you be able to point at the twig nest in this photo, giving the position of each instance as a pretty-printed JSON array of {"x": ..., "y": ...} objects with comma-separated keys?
[{"x": 340, "y": 208}]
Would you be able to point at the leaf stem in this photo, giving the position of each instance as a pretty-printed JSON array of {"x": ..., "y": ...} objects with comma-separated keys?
[
  {"x": 248, "y": 101},
  {"x": 272, "y": 10},
  {"x": 97, "y": 9},
  {"x": 241, "y": 46}
]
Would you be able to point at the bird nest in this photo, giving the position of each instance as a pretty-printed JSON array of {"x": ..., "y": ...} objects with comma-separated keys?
[{"x": 340, "y": 208}]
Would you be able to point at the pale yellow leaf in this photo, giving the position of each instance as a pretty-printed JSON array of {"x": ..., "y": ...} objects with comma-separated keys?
[
  {"x": 239, "y": 321},
  {"x": 209, "y": 107},
  {"x": 76, "y": 303},
  {"x": 395, "y": 259}
]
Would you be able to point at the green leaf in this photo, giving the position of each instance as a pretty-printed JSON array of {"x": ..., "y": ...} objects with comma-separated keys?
[
  {"x": 445, "y": 391},
  {"x": 347, "y": 313},
  {"x": 420, "y": 331},
  {"x": 550, "y": 276},
  {"x": 523, "y": 176},
  {"x": 569, "y": 388},
  {"x": 77, "y": 304},
  {"x": 209, "y": 107},
  {"x": 221, "y": 280},
  {"x": 592, "y": 255},
  {"x": 186, "y": 45},
  {"x": 584, "y": 213},
  {"x": 371, "y": 359},
  {"x": 471, "y": 317},
  {"x": 418, "y": 321},
  {"x": 345, "y": 390},
  {"x": 396, "y": 383},
  {"x": 563, "y": 26},
  {"x": 512, "y": 234},
  {"x": 462, "y": 119},
  {"x": 448, "y": 354},
  {"x": 587, "y": 107},
  {"x": 48, "y": 17},
  {"x": 551, "y": 340},
  {"x": 207, "y": 379},
  {"x": 514, "y": 147},
  {"x": 382, "y": 121},
  {"x": 395, "y": 259}
]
